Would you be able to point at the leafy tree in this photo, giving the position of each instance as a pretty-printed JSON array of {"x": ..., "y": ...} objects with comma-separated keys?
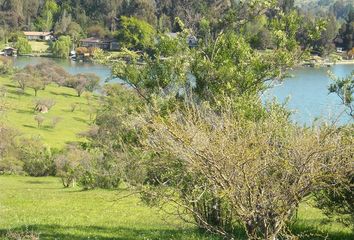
[
  {"x": 83, "y": 82},
  {"x": 344, "y": 88},
  {"x": 48, "y": 15},
  {"x": 135, "y": 34},
  {"x": 9, "y": 162},
  {"x": 37, "y": 157},
  {"x": 61, "y": 48},
  {"x": 22, "y": 45}
]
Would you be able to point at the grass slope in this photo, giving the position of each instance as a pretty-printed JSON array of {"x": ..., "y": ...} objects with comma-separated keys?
[
  {"x": 42, "y": 205},
  {"x": 20, "y": 114}
]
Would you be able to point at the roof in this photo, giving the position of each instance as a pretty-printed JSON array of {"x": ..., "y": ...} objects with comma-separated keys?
[
  {"x": 9, "y": 48},
  {"x": 97, "y": 40},
  {"x": 91, "y": 40},
  {"x": 37, "y": 33}
]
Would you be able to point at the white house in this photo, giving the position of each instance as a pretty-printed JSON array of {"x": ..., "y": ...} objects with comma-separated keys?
[{"x": 38, "y": 36}]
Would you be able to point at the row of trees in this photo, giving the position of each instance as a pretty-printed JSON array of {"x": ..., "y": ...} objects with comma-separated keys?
[
  {"x": 37, "y": 77},
  {"x": 76, "y": 19}
]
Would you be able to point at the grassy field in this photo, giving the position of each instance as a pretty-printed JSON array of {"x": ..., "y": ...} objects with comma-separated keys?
[
  {"x": 41, "y": 205},
  {"x": 20, "y": 113},
  {"x": 39, "y": 47}
]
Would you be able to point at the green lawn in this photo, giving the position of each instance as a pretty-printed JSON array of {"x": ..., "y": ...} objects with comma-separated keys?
[
  {"x": 20, "y": 114},
  {"x": 43, "y": 206},
  {"x": 39, "y": 47}
]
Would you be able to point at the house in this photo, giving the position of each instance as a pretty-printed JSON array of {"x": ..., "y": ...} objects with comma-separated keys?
[
  {"x": 191, "y": 40},
  {"x": 104, "y": 44},
  {"x": 38, "y": 36},
  {"x": 9, "y": 51}
]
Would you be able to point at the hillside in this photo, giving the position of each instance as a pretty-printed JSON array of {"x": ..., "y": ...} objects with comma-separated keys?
[{"x": 20, "y": 113}]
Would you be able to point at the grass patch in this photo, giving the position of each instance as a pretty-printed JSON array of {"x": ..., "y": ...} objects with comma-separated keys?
[
  {"x": 20, "y": 113},
  {"x": 39, "y": 47},
  {"x": 41, "y": 205}
]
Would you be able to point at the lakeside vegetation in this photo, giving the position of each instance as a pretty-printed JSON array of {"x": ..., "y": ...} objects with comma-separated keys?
[{"x": 187, "y": 133}]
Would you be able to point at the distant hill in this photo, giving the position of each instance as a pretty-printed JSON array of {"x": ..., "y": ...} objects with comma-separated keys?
[{"x": 338, "y": 8}]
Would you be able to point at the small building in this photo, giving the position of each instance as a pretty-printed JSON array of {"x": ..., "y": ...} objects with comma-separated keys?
[
  {"x": 339, "y": 50},
  {"x": 9, "y": 51},
  {"x": 38, "y": 36},
  {"x": 104, "y": 44},
  {"x": 191, "y": 40}
]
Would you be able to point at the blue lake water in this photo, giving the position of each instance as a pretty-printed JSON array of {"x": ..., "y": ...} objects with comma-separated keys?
[
  {"x": 307, "y": 90},
  {"x": 308, "y": 95}
]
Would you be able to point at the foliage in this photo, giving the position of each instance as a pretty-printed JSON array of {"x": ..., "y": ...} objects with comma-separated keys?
[
  {"x": 227, "y": 169},
  {"x": 37, "y": 158},
  {"x": 83, "y": 82},
  {"x": 22, "y": 45},
  {"x": 61, "y": 48},
  {"x": 135, "y": 34},
  {"x": 6, "y": 65},
  {"x": 344, "y": 88},
  {"x": 9, "y": 162}
]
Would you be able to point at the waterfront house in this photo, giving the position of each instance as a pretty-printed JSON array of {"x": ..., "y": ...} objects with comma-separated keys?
[
  {"x": 104, "y": 44},
  {"x": 9, "y": 51},
  {"x": 191, "y": 40},
  {"x": 38, "y": 36}
]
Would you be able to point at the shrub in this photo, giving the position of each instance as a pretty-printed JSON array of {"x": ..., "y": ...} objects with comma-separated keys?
[
  {"x": 224, "y": 168},
  {"x": 9, "y": 162},
  {"x": 22, "y": 45},
  {"x": 39, "y": 119},
  {"x": 6, "y": 65},
  {"x": 87, "y": 169},
  {"x": 55, "y": 121},
  {"x": 37, "y": 157}
]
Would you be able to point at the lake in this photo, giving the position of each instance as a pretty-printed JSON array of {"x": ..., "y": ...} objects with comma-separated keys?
[{"x": 307, "y": 90}]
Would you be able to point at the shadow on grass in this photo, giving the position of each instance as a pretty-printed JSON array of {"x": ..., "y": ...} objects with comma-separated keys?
[
  {"x": 43, "y": 128},
  {"x": 307, "y": 230},
  {"x": 37, "y": 182},
  {"x": 80, "y": 120},
  {"x": 21, "y": 111},
  {"x": 47, "y": 232},
  {"x": 62, "y": 94},
  {"x": 19, "y": 93}
]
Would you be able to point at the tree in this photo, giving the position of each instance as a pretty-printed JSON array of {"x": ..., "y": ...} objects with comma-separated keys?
[
  {"x": 9, "y": 162},
  {"x": 96, "y": 31},
  {"x": 61, "y": 48},
  {"x": 22, "y": 45},
  {"x": 83, "y": 82},
  {"x": 344, "y": 88},
  {"x": 6, "y": 65},
  {"x": 37, "y": 157},
  {"x": 48, "y": 15},
  {"x": 135, "y": 34},
  {"x": 223, "y": 168}
]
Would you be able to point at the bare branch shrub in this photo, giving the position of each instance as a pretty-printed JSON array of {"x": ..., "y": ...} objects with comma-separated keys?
[{"x": 222, "y": 168}]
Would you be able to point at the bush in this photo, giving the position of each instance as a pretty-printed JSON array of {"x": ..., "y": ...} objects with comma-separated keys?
[
  {"x": 9, "y": 163},
  {"x": 87, "y": 169},
  {"x": 37, "y": 158},
  {"x": 23, "y": 46},
  {"x": 6, "y": 65}
]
